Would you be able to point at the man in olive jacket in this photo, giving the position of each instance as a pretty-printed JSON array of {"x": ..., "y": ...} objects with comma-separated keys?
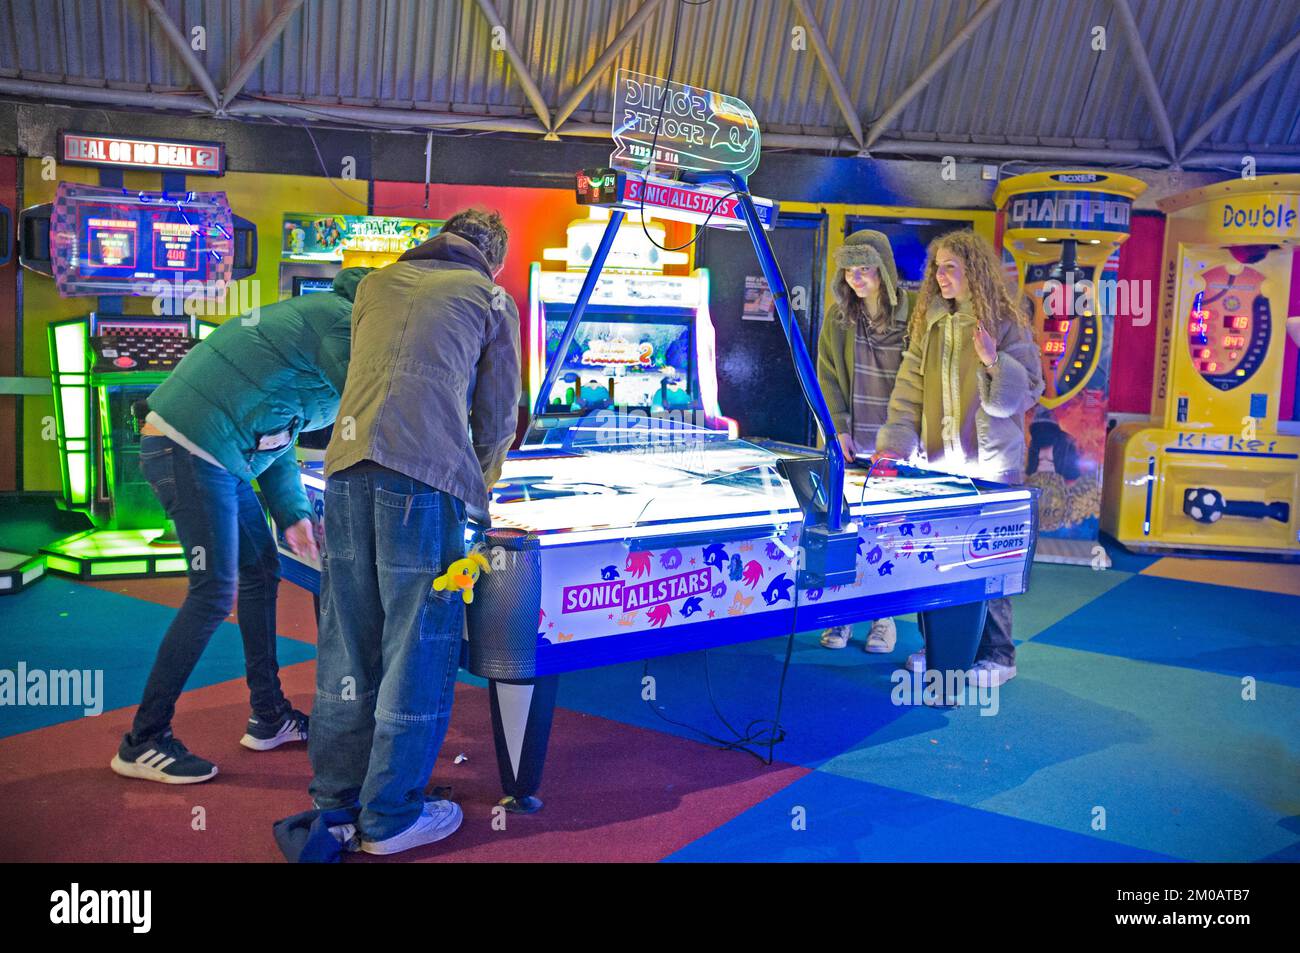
[
  {"x": 427, "y": 416},
  {"x": 228, "y": 414}
]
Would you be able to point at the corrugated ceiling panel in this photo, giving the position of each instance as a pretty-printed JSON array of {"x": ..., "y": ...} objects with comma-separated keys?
[{"x": 1029, "y": 74}]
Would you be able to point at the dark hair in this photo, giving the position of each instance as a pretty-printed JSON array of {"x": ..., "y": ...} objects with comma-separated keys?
[
  {"x": 1065, "y": 452},
  {"x": 484, "y": 230}
]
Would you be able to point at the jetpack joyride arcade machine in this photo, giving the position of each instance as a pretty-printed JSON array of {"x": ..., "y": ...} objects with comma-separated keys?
[
  {"x": 1063, "y": 230},
  {"x": 1212, "y": 471},
  {"x": 182, "y": 249},
  {"x": 314, "y": 247},
  {"x": 649, "y": 344}
]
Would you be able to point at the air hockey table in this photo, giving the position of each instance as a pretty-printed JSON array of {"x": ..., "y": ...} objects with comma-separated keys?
[{"x": 614, "y": 550}]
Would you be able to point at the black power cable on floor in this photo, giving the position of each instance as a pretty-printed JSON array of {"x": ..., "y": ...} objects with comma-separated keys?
[{"x": 758, "y": 732}]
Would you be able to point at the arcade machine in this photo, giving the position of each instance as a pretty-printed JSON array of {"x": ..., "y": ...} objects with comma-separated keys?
[
  {"x": 650, "y": 344},
  {"x": 1213, "y": 471},
  {"x": 1063, "y": 231},
  {"x": 181, "y": 249},
  {"x": 612, "y": 541},
  {"x": 315, "y": 247}
]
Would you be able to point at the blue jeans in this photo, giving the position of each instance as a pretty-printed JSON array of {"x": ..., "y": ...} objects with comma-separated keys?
[
  {"x": 388, "y": 646},
  {"x": 229, "y": 549}
]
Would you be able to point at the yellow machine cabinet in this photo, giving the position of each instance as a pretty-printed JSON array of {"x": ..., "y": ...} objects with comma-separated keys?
[
  {"x": 1063, "y": 230},
  {"x": 1210, "y": 471}
]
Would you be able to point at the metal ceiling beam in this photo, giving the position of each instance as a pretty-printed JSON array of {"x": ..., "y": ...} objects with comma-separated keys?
[
  {"x": 396, "y": 118},
  {"x": 838, "y": 89},
  {"x": 984, "y": 11},
  {"x": 104, "y": 96},
  {"x": 401, "y": 119},
  {"x": 258, "y": 52},
  {"x": 1149, "y": 87},
  {"x": 625, "y": 36},
  {"x": 1236, "y": 99},
  {"x": 182, "y": 47},
  {"x": 522, "y": 73}
]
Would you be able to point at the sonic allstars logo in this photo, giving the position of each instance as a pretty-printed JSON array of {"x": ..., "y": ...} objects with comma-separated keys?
[{"x": 617, "y": 594}]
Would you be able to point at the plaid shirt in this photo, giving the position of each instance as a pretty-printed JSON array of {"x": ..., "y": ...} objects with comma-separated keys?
[{"x": 876, "y": 358}]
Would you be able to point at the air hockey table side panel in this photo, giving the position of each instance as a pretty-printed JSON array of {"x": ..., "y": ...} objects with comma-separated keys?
[{"x": 548, "y": 610}]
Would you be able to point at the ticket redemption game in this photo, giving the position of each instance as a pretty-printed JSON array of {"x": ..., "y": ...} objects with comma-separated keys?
[
  {"x": 1210, "y": 472},
  {"x": 1063, "y": 231},
  {"x": 314, "y": 247},
  {"x": 179, "y": 248},
  {"x": 648, "y": 346}
]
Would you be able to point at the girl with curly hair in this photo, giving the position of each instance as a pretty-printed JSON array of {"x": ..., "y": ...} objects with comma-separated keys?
[
  {"x": 970, "y": 373},
  {"x": 858, "y": 353}
]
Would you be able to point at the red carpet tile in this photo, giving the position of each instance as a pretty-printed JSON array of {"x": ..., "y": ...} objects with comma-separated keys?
[
  {"x": 295, "y": 615},
  {"x": 612, "y": 792}
]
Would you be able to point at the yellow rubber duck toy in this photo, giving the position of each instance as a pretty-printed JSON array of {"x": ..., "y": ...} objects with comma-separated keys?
[{"x": 462, "y": 574}]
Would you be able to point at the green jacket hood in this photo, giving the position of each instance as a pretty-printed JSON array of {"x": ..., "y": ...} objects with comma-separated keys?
[{"x": 346, "y": 281}]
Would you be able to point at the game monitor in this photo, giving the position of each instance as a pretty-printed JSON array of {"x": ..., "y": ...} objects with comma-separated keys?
[
  {"x": 308, "y": 284},
  {"x": 637, "y": 361},
  {"x": 103, "y": 241}
]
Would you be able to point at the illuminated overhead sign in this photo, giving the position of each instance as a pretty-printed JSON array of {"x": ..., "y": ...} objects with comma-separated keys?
[
  {"x": 159, "y": 155},
  {"x": 680, "y": 201},
  {"x": 660, "y": 125}
]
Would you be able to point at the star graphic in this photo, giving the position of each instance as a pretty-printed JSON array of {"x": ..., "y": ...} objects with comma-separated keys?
[
  {"x": 692, "y": 562},
  {"x": 611, "y": 615},
  {"x": 712, "y": 613},
  {"x": 550, "y": 625}
]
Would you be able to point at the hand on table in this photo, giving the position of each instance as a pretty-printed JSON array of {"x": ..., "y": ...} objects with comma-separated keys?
[
  {"x": 301, "y": 538},
  {"x": 846, "y": 444}
]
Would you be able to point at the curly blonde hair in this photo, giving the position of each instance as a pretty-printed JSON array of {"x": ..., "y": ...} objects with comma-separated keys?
[{"x": 986, "y": 283}]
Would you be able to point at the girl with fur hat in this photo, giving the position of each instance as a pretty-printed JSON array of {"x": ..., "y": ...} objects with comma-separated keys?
[
  {"x": 970, "y": 373},
  {"x": 858, "y": 355}
]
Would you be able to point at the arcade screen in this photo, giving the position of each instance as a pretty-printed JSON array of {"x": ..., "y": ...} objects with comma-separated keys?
[
  {"x": 308, "y": 286},
  {"x": 650, "y": 361},
  {"x": 117, "y": 241},
  {"x": 909, "y": 238}
]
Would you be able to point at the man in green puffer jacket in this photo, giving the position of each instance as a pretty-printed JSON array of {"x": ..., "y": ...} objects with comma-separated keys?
[{"x": 228, "y": 414}]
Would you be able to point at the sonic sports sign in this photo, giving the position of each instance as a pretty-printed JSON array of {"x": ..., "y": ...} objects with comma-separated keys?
[{"x": 661, "y": 125}]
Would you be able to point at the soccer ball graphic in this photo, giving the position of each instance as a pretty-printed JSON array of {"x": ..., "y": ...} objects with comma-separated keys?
[{"x": 1203, "y": 504}]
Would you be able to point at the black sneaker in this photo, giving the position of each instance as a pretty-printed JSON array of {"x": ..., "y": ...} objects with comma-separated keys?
[
  {"x": 263, "y": 735},
  {"x": 162, "y": 759}
]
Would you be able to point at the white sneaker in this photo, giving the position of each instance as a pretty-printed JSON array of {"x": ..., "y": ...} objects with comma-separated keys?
[
  {"x": 837, "y": 637},
  {"x": 884, "y": 634},
  {"x": 915, "y": 662},
  {"x": 990, "y": 674},
  {"x": 439, "y": 819}
]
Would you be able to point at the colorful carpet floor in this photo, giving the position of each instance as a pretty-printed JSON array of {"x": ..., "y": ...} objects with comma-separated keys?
[{"x": 1154, "y": 718}]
